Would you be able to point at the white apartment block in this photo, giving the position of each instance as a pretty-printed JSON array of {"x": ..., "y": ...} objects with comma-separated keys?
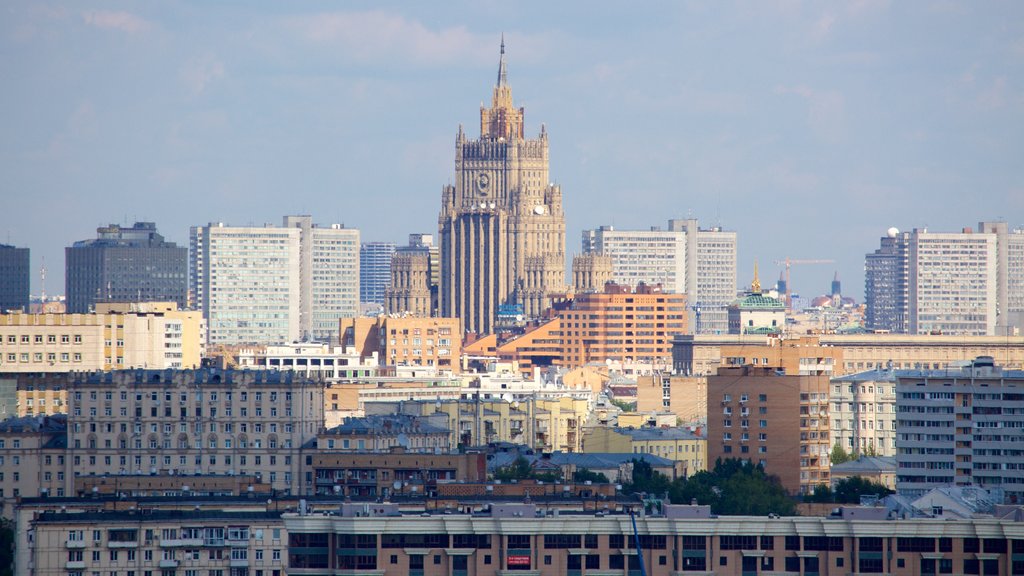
[
  {"x": 961, "y": 427},
  {"x": 952, "y": 283},
  {"x": 684, "y": 259},
  {"x": 274, "y": 284},
  {"x": 649, "y": 256},
  {"x": 864, "y": 412}
]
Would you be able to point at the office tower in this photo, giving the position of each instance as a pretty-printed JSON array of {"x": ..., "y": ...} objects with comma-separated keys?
[
  {"x": 960, "y": 427},
  {"x": 275, "y": 284},
  {"x": 779, "y": 421},
  {"x": 650, "y": 256},
  {"x": 1009, "y": 276},
  {"x": 710, "y": 275},
  {"x": 501, "y": 224},
  {"x": 14, "y": 278},
  {"x": 374, "y": 271},
  {"x": 125, "y": 265},
  {"x": 925, "y": 282},
  {"x": 590, "y": 272},
  {"x": 837, "y": 286},
  {"x": 684, "y": 258}
]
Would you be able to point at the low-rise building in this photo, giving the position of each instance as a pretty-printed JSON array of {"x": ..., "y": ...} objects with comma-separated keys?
[
  {"x": 376, "y": 475},
  {"x": 685, "y": 539},
  {"x": 677, "y": 444},
  {"x": 162, "y": 542},
  {"x": 382, "y": 432},
  {"x": 31, "y": 459},
  {"x": 877, "y": 469},
  {"x": 315, "y": 360}
]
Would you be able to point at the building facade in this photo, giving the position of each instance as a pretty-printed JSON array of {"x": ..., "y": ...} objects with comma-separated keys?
[
  {"x": 15, "y": 275},
  {"x": 652, "y": 256},
  {"x": 374, "y": 271},
  {"x": 923, "y": 282},
  {"x": 622, "y": 324},
  {"x": 192, "y": 422},
  {"x": 125, "y": 335},
  {"x": 408, "y": 341},
  {"x": 273, "y": 284},
  {"x": 501, "y": 226},
  {"x": 864, "y": 413},
  {"x": 125, "y": 265},
  {"x": 509, "y": 538},
  {"x": 778, "y": 421},
  {"x": 1009, "y": 276},
  {"x": 961, "y": 427}
]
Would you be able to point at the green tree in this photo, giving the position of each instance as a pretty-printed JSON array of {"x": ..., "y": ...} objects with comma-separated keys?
[
  {"x": 735, "y": 487},
  {"x": 583, "y": 475},
  {"x": 840, "y": 455},
  {"x": 519, "y": 469},
  {"x": 849, "y": 490},
  {"x": 646, "y": 479},
  {"x": 623, "y": 405},
  {"x": 822, "y": 493}
]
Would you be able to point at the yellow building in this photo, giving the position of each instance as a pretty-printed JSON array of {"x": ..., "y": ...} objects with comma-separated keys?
[
  {"x": 408, "y": 341},
  {"x": 546, "y": 424},
  {"x": 152, "y": 335},
  {"x": 684, "y": 396},
  {"x": 677, "y": 444}
]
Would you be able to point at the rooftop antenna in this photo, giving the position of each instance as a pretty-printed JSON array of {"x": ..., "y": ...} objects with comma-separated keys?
[{"x": 42, "y": 281}]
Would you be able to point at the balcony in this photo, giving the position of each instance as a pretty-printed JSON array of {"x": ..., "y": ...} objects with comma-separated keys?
[
  {"x": 237, "y": 543},
  {"x": 75, "y": 544},
  {"x": 181, "y": 542},
  {"x": 213, "y": 542},
  {"x": 168, "y": 564},
  {"x": 75, "y": 565},
  {"x": 239, "y": 563},
  {"x": 126, "y": 544}
]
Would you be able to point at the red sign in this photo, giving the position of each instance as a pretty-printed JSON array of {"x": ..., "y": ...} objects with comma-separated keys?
[{"x": 518, "y": 560}]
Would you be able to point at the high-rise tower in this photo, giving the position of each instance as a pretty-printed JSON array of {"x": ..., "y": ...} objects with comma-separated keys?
[{"x": 501, "y": 225}]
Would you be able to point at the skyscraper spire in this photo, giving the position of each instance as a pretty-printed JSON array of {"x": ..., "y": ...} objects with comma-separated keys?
[{"x": 502, "y": 70}]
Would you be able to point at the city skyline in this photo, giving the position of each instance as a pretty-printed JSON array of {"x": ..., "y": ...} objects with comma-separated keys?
[{"x": 874, "y": 113}]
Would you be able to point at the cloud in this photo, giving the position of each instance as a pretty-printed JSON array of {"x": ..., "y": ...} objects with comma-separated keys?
[
  {"x": 369, "y": 36},
  {"x": 111, "y": 20},
  {"x": 197, "y": 74},
  {"x": 826, "y": 112}
]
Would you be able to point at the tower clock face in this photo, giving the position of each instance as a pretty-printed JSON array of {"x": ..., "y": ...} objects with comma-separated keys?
[{"x": 483, "y": 184}]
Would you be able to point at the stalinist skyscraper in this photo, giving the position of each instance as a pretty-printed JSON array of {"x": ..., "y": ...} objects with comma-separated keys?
[{"x": 501, "y": 225}]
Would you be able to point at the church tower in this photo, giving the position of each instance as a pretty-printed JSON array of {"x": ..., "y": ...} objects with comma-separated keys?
[{"x": 501, "y": 224}]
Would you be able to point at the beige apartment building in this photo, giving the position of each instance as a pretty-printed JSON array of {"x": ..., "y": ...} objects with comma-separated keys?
[
  {"x": 408, "y": 341},
  {"x": 864, "y": 412},
  {"x": 123, "y": 335},
  {"x": 684, "y": 396},
  {"x": 164, "y": 542},
  {"x": 778, "y": 421},
  {"x": 192, "y": 422},
  {"x": 32, "y": 459},
  {"x": 841, "y": 354},
  {"x": 678, "y": 444},
  {"x": 546, "y": 424}
]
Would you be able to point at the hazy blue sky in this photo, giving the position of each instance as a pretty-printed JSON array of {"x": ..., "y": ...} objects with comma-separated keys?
[{"x": 808, "y": 127}]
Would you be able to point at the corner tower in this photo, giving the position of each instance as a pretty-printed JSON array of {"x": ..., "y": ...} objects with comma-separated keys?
[{"x": 501, "y": 224}]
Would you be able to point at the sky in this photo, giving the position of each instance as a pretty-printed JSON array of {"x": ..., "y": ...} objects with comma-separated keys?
[{"x": 807, "y": 127}]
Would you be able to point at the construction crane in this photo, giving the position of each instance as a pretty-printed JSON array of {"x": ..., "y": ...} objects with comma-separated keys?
[{"x": 788, "y": 262}]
